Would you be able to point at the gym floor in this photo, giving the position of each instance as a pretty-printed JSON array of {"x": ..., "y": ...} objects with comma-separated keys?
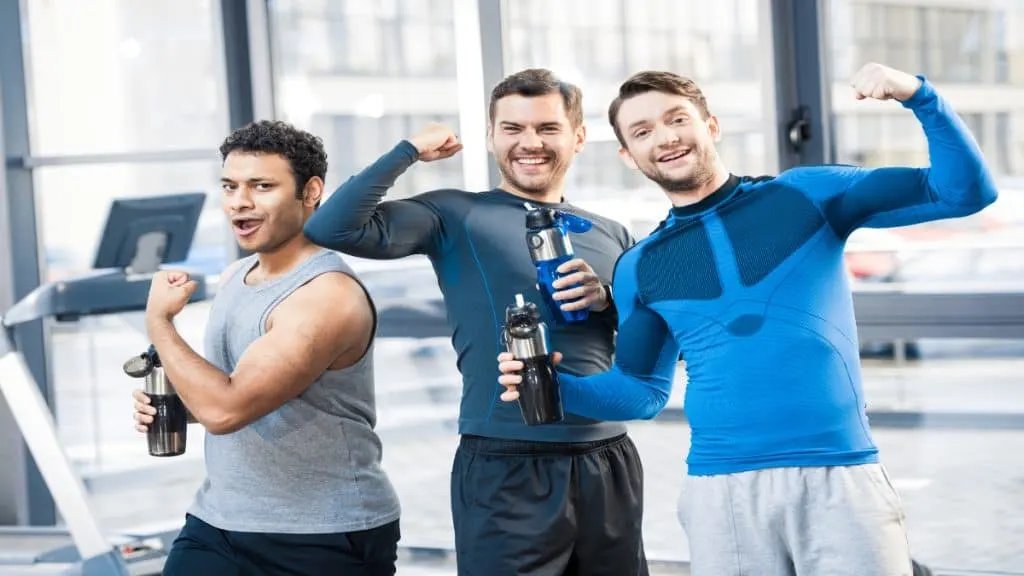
[{"x": 961, "y": 486}]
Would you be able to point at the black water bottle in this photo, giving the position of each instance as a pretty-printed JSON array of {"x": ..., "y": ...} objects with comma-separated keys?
[
  {"x": 526, "y": 337},
  {"x": 168, "y": 433}
]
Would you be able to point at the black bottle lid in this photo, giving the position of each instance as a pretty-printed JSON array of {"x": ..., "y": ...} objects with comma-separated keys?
[
  {"x": 154, "y": 356},
  {"x": 540, "y": 218},
  {"x": 522, "y": 313},
  {"x": 141, "y": 365}
]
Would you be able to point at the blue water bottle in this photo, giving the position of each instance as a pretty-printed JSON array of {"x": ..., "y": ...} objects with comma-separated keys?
[{"x": 547, "y": 236}]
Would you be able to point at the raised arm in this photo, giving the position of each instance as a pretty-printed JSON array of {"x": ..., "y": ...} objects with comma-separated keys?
[
  {"x": 639, "y": 383},
  {"x": 957, "y": 183},
  {"x": 304, "y": 338},
  {"x": 355, "y": 220}
]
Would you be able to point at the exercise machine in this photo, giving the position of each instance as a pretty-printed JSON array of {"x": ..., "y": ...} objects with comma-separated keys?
[{"x": 140, "y": 235}]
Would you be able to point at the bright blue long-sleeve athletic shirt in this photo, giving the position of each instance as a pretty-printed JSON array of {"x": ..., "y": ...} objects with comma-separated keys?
[{"x": 750, "y": 284}]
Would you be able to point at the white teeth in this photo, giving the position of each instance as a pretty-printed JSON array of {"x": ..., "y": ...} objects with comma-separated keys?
[
  {"x": 531, "y": 160},
  {"x": 676, "y": 156}
]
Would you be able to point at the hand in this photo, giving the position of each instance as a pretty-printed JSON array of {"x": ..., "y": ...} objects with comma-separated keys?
[
  {"x": 143, "y": 412},
  {"x": 591, "y": 294},
  {"x": 436, "y": 142},
  {"x": 510, "y": 378},
  {"x": 883, "y": 83},
  {"x": 168, "y": 294}
]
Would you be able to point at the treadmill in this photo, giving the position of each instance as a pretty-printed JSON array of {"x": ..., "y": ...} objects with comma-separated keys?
[{"x": 140, "y": 235}]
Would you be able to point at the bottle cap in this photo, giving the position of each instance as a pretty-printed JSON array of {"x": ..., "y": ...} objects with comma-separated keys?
[{"x": 540, "y": 218}]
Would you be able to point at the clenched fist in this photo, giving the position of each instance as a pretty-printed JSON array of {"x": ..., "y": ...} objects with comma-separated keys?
[
  {"x": 883, "y": 83},
  {"x": 436, "y": 142},
  {"x": 169, "y": 292}
]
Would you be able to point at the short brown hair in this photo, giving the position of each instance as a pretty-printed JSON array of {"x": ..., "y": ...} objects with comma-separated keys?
[
  {"x": 539, "y": 82},
  {"x": 655, "y": 81}
]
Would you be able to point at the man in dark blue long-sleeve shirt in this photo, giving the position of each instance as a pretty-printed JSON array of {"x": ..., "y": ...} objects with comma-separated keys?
[
  {"x": 746, "y": 277},
  {"x": 546, "y": 500}
]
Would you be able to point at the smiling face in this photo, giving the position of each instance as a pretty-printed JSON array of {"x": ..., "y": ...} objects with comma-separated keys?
[
  {"x": 260, "y": 199},
  {"x": 534, "y": 141},
  {"x": 668, "y": 140},
  {"x": 665, "y": 130}
]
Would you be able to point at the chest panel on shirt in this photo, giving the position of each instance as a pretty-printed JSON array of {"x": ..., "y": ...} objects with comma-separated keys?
[{"x": 763, "y": 226}]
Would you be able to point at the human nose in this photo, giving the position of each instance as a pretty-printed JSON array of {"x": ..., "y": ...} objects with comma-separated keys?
[
  {"x": 530, "y": 140},
  {"x": 665, "y": 136},
  {"x": 239, "y": 199}
]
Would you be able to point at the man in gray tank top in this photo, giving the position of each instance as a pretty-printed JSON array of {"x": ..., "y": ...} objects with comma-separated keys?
[{"x": 284, "y": 388}]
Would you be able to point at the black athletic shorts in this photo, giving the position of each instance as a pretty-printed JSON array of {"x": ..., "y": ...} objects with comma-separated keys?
[
  {"x": 202, "y": 550},
  {"x": 548, "y": 509}
]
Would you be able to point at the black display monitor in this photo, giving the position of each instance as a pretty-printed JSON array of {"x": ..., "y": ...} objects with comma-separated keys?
[{"x": 143, "y": 233}]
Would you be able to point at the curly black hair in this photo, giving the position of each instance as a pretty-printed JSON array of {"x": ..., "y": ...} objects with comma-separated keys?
[{"x": 304, "y": 151}]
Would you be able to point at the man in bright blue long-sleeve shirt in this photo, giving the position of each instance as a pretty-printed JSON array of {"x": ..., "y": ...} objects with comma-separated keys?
[{"x": 746, "y": 278}]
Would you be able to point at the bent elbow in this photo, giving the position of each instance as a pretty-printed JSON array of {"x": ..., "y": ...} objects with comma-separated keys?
[
  {"x": 989, "y": 193},
  {"x": 317, "y": 233},
  {"x": 657, "y": 403},
  {"x": 980, "y": 193},
  {"x": 220, "y": 423}
]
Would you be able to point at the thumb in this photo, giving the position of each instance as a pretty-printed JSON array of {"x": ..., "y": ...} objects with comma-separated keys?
[
  {"x": 190, "y": 287},
  {"x": 556, "y": 358}
]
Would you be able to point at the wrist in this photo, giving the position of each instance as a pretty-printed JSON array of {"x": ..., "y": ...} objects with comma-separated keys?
[
  {"x": 606, "y": 301},
  {"x": 416, "y": 146},
  {"x": 914, "y": 84},
  {"x": 158, "y": 322}
]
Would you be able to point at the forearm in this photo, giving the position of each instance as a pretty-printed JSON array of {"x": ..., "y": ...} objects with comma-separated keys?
[
  {"x": 614, "y": 395},
  {"x": 354, "y": 220},
  {"x": 203, "y": 388},
  {"x": 956, "y": 184},
  {"x": 958, "y": 174}
]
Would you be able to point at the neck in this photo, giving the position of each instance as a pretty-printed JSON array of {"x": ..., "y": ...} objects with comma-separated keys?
[
  {"x": 697, "y": 194},
  {"x": 286, "y": 257},
  {"x": 552, "y": 195}
]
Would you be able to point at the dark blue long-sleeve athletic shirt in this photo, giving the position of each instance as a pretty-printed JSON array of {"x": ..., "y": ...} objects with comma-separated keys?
[
  {"x": 477, "y": 245},
  {"x": 750, "y": 284}
]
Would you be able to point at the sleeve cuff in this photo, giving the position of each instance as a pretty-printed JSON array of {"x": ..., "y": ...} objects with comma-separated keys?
[
  {"x": 406, "y": 149},
  {"x": 924, "y": 93}
]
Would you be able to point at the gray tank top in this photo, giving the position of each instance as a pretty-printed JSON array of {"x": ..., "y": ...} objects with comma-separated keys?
[{"x": 314, "y": 464}]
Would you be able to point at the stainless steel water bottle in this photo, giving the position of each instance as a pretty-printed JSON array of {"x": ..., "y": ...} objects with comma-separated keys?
[
  {"x": 547, "y": 237},
  {"x": 168, "y": 432},
  {"x": 526, "y": 337}
]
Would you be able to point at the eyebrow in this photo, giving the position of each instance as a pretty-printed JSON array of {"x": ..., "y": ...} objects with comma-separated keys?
[
  {"x": 506, "y": 123},
  {"x": 225, "y": 180},
  {"x": 670, "y": 112}
]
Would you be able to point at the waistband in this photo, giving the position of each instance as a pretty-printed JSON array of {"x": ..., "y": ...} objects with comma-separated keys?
[{"x": 500, "y": 447}]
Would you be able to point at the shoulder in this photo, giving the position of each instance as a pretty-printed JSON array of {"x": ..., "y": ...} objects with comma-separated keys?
[
  {"x": 611, "y": 227},
  {"x": 445, "y": 201},
  {"x": 803, "y": 177},
  {"x": 334, "y": 297},
  {"x": 332, "y": 288},
  {"x": 444, "y": 196},
  {"x": 233, "y": 268},
  {"x": 625, "y": 266}
]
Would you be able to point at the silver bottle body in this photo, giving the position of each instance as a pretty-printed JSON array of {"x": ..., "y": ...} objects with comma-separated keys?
[
  {"x": 548, "y": 244},
  {"x": 164, "y": 442},
  {"x": 157, "y": 383},
  {"x": 531, "y": 347}
]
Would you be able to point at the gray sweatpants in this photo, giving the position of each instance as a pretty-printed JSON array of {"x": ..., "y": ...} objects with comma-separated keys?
[{"x": 822, "y": 521}]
